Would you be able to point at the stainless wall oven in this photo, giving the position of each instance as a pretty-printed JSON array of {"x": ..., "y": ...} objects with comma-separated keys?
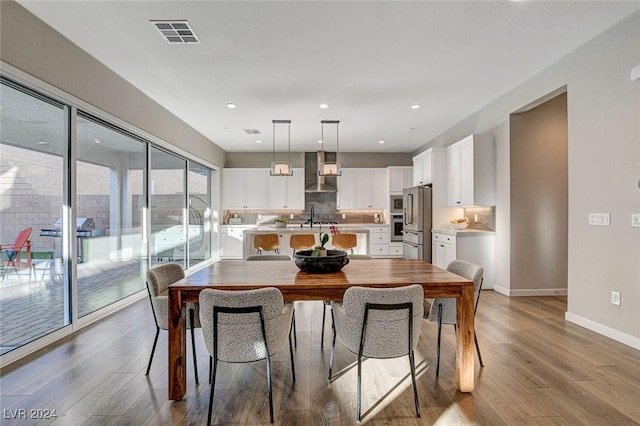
[
  {"x": 396, "y": 227},
  {"x": 395, "y": 205}
]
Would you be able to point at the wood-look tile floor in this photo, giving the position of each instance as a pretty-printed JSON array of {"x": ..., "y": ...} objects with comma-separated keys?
[{"x": 539, "y": 370}]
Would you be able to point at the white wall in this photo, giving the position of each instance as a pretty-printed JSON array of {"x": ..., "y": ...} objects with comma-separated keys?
[{"x": 604, "y": 168}]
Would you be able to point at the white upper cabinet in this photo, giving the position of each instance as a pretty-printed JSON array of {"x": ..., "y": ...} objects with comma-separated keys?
[
  {"x": 471, "y": 172},
  {"x": 362, "y": 189},
  {"x": 399, "y": 178},
  {"x": 286, "y": 192},
  {"x": 422, "y": 168},
  {"x": 245, "y": 189}
]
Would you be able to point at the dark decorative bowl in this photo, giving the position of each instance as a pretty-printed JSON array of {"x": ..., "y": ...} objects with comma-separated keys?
[{"x": 332, "y": 262}]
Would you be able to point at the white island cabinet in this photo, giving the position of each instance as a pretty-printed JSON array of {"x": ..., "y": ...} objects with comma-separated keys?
[{"x": 473, "y": 246}]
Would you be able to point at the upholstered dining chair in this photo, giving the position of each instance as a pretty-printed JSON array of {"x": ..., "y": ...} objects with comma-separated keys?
[
  {"x": 245, "y": 326},
  {"x": 266, "y": 242},
  {"x": 302, "y": 242},
  {"x": 443, "y": 310},
  {"x": 344, "y": 241},
  {"x": 158, "y": 281},
  {"x": 328, "y": 302},
  {"x": 261, "y": 257},
  {"x": 379, "y": 323}
]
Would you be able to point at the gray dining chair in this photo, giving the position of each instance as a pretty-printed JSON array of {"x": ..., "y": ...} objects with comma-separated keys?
[
  {"x": 379, "y": 323},
  {"x": 443, "y": 310},
  {"x": 244, "y": 326},
  {"x": 158, "y": 281}
]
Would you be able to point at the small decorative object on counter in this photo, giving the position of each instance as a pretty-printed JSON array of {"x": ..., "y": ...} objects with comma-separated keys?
[
  {"x": 460, "y": 224},
  {"x": 281, "y": 222},
  {"x": 321, "y": 251}
]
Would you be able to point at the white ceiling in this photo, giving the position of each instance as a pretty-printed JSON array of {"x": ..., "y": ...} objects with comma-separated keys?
[{"x": 370, "y": 61}]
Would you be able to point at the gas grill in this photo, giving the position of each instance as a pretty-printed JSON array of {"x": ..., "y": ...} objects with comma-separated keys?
[{"x": 85, "y": 228}]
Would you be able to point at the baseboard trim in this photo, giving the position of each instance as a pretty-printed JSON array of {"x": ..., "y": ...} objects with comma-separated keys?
[
  {"x": 530, "y": 291},
  {"x": 609, "y": 332}
]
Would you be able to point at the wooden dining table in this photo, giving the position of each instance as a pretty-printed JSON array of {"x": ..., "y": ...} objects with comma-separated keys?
[{"x": 296, "y": 285}]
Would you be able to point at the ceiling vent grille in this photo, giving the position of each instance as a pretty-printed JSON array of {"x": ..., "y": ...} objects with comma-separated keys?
[
  {"x": 252, "y": 131},
  {"x": 176, "y": 31}
]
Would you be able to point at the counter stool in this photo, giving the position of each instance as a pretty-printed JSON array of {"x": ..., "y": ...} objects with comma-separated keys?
[
  {"x": 266, "y": 242},
  {"x": 344, "y": 241},
  {"x": 302, "y": 242}
]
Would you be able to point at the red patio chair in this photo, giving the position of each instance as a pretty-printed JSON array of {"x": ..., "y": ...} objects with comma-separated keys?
[{"x": 13, "y": 251}]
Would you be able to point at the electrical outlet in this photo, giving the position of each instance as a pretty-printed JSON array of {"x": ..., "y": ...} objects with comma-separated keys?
[
  {"x": 291, "y": 216},
  {"x": 615, "y": 298},
  {"x": 344, "y": 215},
  {"x": 599, "y": 219},
  {"x": 635, "y": 220}
]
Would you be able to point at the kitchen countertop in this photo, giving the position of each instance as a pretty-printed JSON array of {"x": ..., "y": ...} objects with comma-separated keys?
[
  {"x": 293, "y": 229},
  {"x": 464, "y": 232}
]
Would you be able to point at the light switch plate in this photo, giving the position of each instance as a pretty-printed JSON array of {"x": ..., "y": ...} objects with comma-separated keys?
[
  {"x": 635, "y": 220},
  {"x": 599, "y": 219}
]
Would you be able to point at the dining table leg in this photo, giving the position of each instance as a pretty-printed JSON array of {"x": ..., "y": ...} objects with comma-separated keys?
[
  {"x": 465, "y": 344},
  {"x": 177, "y": 346}
]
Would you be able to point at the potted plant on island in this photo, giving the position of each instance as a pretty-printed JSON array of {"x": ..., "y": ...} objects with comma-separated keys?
[
  {"x": 281, "y": 222},
  {"x": 321, "y": 250}
]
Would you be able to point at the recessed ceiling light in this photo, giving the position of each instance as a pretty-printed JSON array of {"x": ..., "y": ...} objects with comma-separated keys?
[
  {"x": 97, "y": 141},
  {"x": 380, "y": 141},
  {"x": 320, "y": 141},
  {"x": 231, "y": 105},
  {"x": 43, "y": 143},
  {"x": 324, "y": 106},
  {"x": 258, "y": 141},
  {"x": 415, "y": 106}
]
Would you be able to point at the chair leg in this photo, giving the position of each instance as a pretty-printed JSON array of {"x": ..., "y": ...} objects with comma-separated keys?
[
  {"x": 210, "y": 369},
  {"x": 478, "y": 349},
  {"x": 295, "y": 333},
  {"x": 333, "y": 346},
  {"x": 270, "y": 387},
  {"x": 439, "y": 335},
  {"x": 358, "y": 384},
  {"x": 293, "y": 365},
  {"x": 193, "y": 345},
  {"x": 324, "y": 312},
  {"x": 213, "y": 386},
  {"x": 412, "y": 365},
  {"x": 153, "y": 350}
]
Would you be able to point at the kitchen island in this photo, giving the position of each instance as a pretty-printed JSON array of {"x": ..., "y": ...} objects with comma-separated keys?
[{"x": 285, "y": 234}]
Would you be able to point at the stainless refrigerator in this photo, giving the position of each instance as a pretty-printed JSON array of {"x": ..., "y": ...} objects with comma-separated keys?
[{"x": 416, "y": 229}]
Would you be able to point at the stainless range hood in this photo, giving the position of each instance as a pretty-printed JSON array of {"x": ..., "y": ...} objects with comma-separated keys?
[{"x": 315, "y": 183}]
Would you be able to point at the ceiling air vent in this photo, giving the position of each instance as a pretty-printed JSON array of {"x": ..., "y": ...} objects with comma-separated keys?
[
  {"x": 176, "y": 31},
  {"x": 252, "y": 131}
]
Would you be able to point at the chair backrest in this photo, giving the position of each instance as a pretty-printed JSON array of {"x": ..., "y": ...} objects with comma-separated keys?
[
  {"x": 240, "y": 335},
  {"x": 344, "y": 241},
  {"x": 21, "y": 239},
  {"x": 162, "y": 276},
  {"x": 386, "y": 332},
  {"x": 302, "y": 241},
  {"x": 469, "y": 271},
  {"x": 266, "y": 242},
  {"x": 268, "y": 257}
]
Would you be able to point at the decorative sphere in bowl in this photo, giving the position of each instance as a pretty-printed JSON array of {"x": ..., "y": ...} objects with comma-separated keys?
[
  {"x": 460, "y": 226},
  {"x": 332, "y": 262}
]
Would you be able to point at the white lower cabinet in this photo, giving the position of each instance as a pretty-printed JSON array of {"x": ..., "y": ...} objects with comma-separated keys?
[
  {"x": 231, "y": 242},
  {"x": 378, "y": 240},
  {"x": 475, "y": 248},
  {"x": 395, "y": 249}
]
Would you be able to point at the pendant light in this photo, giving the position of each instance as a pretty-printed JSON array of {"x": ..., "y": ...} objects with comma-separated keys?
[
  {"x": 281, "y": 168},
  {"x": 330, "y": 168}
]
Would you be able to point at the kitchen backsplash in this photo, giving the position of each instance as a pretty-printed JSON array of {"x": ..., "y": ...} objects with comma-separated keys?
[
  {"x": 486, "y": 218},
  {"x": 320, "y": 215}
]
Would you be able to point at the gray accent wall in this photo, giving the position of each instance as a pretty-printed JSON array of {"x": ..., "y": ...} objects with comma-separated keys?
[
  {"x": 33, "y": 47},
  {"x": 603, "y": 109}
]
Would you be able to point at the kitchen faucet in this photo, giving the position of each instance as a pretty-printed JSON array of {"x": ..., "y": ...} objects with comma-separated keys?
[{"x": 310, "y": 220}]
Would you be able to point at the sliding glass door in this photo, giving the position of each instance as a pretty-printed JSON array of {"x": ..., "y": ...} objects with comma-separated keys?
[
  {"x": 110, "y": 202},
  {"x": 34, "y": 290}
]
